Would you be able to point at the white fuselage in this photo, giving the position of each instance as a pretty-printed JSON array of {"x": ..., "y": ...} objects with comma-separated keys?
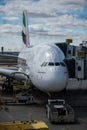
[{"x": 45, "y": 66}]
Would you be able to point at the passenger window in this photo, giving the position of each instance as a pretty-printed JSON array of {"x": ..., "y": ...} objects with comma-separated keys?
[
  {"x": 51, "y": 64},
  {"x": 57, "y": 64}
]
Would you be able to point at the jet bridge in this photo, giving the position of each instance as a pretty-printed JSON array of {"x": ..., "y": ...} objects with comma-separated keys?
[{"x": 76, "y": 59}]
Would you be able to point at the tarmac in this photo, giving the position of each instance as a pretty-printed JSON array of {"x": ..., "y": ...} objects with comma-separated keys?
[
  {"x": 38, "y": 112},
  {"x": 77, "y": 98}
]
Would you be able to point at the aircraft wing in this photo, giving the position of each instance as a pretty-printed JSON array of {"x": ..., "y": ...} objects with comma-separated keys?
[{"x": 13, "y": 73}]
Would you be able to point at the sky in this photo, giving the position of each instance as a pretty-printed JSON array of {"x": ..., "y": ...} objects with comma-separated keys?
[{"x": 49, "y": 21}]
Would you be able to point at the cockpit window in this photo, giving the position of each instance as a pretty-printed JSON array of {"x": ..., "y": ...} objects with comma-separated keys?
[
  {"x": 51, "y": 64},
  {"x": 44, "y": 64},
  {"x": 57, "y": 63},
  {"x": 62, "y": 63}
]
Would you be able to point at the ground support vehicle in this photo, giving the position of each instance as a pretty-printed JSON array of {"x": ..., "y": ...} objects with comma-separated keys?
[
  {"x": 58, "y": 111},
  {"x": 24, "y": 97},
  {"x": 23, "y": 125}
]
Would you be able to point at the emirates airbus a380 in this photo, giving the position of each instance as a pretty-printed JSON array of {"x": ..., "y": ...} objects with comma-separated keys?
[{"x": 42, "y": 63}]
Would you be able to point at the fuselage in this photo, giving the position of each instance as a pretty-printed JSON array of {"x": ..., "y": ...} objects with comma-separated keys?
[{"x": 44, "y": 63}]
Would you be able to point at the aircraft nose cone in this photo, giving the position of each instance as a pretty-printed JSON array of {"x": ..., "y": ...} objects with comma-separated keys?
[{"x": 58, "y": 80}]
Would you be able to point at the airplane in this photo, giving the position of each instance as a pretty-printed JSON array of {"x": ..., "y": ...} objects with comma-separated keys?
[{"x": 42, "y": 64}]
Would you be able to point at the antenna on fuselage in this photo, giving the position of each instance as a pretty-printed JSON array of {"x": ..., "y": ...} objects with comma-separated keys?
[{"x": 25, "y": 30}]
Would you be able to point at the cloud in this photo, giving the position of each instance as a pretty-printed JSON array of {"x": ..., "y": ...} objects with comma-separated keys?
[
  {"x": 10, "y": 18},
  {"x": 59, "y": 18},
  {"x": 6, "y": 29},
  {"x": 42, "y": 6}
]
